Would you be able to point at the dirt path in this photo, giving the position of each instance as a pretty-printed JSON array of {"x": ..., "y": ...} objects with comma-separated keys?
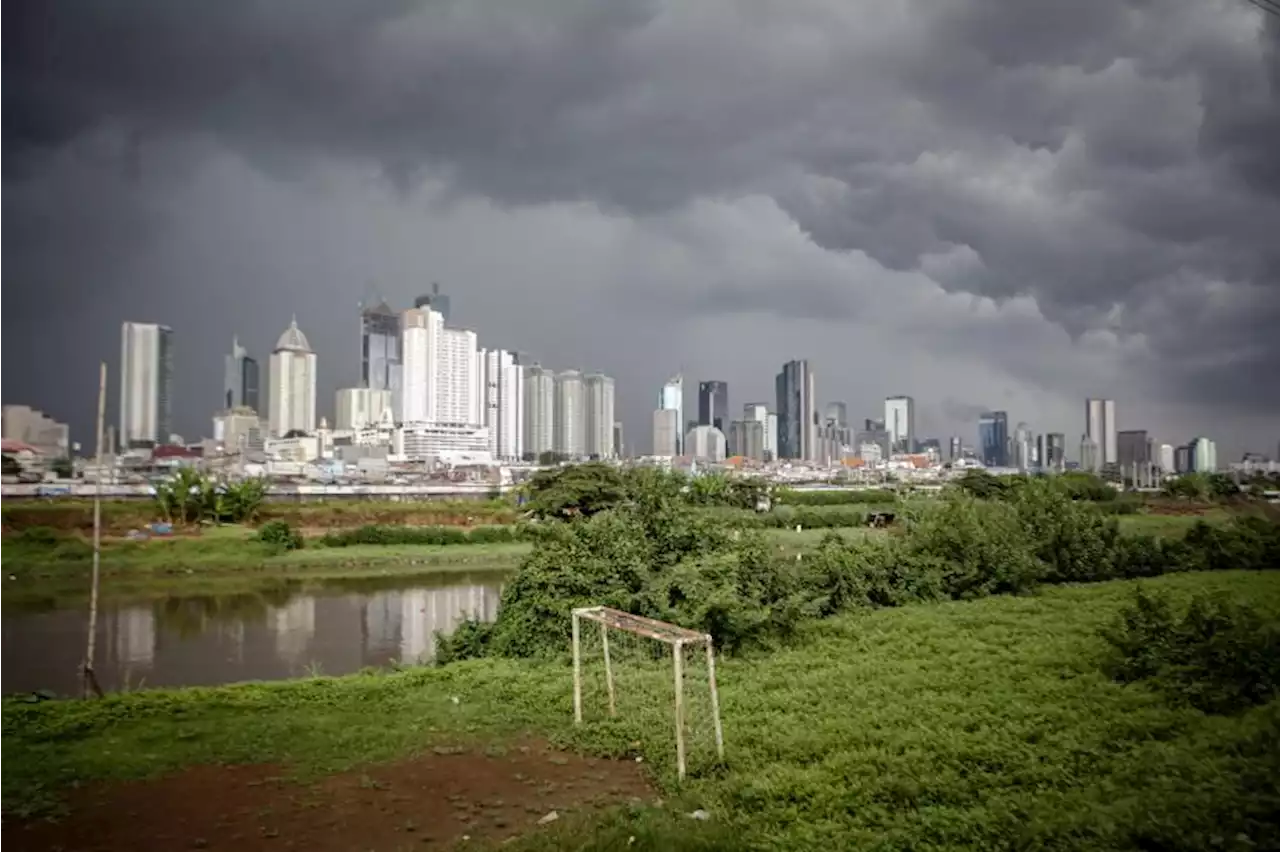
[{"x": 430, "y": 802}]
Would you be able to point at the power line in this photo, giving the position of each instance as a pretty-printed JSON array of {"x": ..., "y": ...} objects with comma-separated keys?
[{"x": 1271, "y": 7}]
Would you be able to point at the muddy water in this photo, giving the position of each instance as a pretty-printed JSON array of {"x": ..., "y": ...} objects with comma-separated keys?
[{"x": 282, "y": 630}]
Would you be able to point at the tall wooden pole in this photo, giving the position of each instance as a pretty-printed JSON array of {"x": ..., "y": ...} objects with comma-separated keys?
[{"x": 90, "y": 680}]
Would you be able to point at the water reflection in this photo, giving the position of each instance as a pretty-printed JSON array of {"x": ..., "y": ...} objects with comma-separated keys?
[{"x": 281, "y": 630}]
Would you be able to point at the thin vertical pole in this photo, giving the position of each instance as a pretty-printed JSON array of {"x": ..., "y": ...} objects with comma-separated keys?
[
  {"x": 677, "y": 653},
  {"x": 577, "y": 670},
  {"x": 715, "y": 697},
  {"x": 608, "y": 668},
  {"x": 89, "y": 680}
]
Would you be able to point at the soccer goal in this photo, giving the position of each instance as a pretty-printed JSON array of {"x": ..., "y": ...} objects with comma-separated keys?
[{"x": 649, "y": 668}]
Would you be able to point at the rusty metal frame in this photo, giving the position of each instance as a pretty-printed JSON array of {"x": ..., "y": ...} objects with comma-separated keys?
[{"x": 675, "y": 636}]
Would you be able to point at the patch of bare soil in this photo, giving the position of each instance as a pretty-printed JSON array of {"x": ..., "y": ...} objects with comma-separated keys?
[{"x": 429, "y": 802}]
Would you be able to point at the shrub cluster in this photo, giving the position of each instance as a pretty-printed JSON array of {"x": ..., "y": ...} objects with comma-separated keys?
[
  {"x": 585, "y": 489},
  {"x": 789, "y": 517},
  {"x": 1220, "y": 656},
  {"x": 792, "y": 497},
  {"x": 654, "y": 557},
  {"x": 391, "y": 534},
  {"x": 279, "y": 535}
]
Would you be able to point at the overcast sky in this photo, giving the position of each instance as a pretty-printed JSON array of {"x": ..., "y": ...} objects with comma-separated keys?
[{"x": 1007, "y": 204}]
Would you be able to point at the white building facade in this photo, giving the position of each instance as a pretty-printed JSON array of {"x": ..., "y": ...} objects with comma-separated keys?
[
  {"x": 570, "y": 437},
  {"x": 421, "y": 330},
  {"x": 357, "y": 408},
  {"x": 539, "y": 411},
  {"x": 599, "y": 416},
  {"x": 1100, "y": 427},
  {"x": 293, "y": 384},
  {"x": 502, "y": 392},
  {"x": 760, "y": 413},
  {"x": 146, "y": 384},
  {"x": 671, "y": 398}
]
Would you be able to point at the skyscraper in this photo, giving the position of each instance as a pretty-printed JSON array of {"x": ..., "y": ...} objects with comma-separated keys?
[
  {"x": 666, "y": 432},
  {"x": 993, "y": 438},
  {"x": 1100, "y": 427},
  {"x": 420, "y": 341},
  {"x": 671, "y": 398},
  {"x": 570, "y": 415},
  {"x": 503, "y": 400},
  {"x": 240, "y": 380},
  {"x": 760, "y": 413},
  {"x": 1055, "y": 451},
  {"x": 837, "y": 414},
  {"x": 381, "y": 352},
  {"x": 293, "y": 384},
  {"x": 1022, "y": 447},
  {"x": 1133, "y": 447},
  {"x": 713, "y": 404},
  {"x": 457, "y": 398},
  {"x": 146, "y": 384},
  {"x": 900, "y": 422},
  {"x": 539, "y": 411},
  {"x": 797, "y": 416},
  {"x": 435, "y": 300},
  {"x": 599, "y": 416}
]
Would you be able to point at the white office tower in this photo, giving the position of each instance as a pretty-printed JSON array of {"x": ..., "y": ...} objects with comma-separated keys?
[
  {"x": 1167, "y": 458},
  {"x": 293, "y": 384},
  {"x": 146, "y": 384},
  {"x": 1100, "y": 427},
  {"x": 421, "y": 330},
  {"x": 501, "y": 389},
  {"x": 1022, "y": 447},
  {"x": 457, "y": 401},
  {"x": 570, "y": 415},
  {"x": 900, "y": 423},
  {"x": 671, "y": 398},
  {"x": 599, "y": 418},
  {"x": 760, "y": 413},
  {"x": 441, "y": 413},
  {"x": 1204, "y": 455},
  {"x": 539, "y": 411},
  {"x": 360, "y": 408},
  {"x": 705, "y": 443}
]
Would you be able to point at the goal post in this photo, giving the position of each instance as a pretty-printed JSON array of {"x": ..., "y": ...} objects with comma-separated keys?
[{"x": 678, "y": 638}]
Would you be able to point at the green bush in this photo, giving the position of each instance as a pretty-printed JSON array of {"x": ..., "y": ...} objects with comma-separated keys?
[
  {"x": 1074, "y": 541},
  {"x": 981, "y": 548},
  {"x": 792, "y": 497},
  {"x": 280, "y": 535},
  {"x": 1221, "y": 656},
  {"x": 395, "y": 534}
]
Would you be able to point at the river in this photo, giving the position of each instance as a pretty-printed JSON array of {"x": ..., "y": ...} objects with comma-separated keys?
[{"x": 283, "y": 629}]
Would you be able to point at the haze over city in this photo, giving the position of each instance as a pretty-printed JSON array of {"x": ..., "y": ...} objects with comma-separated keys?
[{"x": 981, "y": 205}]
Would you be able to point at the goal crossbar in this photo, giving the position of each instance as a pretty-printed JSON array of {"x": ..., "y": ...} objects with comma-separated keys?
[{"x": 675, "y": 636}]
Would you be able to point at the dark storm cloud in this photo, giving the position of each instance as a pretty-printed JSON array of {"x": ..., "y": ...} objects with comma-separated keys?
[{"x": 1118, "y": 162}]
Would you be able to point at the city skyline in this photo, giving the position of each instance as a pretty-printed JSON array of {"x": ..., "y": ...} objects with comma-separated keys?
[{"x": 1047, "y": 224}]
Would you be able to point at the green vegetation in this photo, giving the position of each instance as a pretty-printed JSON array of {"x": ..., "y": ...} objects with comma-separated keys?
[
  {"x": 1222, "y": 655},
  {"x": 986, "y": 724},
  {"x": 121, "y": 516},
  {"x": 190, "y": 497},
  {"x": 792, "y": 497},
  {"x": 650, "y": 555}
]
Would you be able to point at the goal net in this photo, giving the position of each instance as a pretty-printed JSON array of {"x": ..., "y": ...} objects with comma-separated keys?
[{"x": 654, "y": 675}]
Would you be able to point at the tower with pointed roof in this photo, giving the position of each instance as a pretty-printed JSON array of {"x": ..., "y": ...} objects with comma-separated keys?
[{"x": 292, "y": 398}]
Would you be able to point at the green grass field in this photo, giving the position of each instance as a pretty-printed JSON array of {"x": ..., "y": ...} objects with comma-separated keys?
[{"x": 968, "y": 725}]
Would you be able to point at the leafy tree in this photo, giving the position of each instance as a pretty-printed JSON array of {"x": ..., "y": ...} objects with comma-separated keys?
[
  {"x": 64, "y": 468},
  {"x": 576, "y": 490}
]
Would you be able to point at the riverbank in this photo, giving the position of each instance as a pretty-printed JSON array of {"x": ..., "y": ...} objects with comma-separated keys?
[
  {"x": 46, "y": 572},
  {"x": 977, "y": 724},
  {"x": 119, "y": 517}
]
